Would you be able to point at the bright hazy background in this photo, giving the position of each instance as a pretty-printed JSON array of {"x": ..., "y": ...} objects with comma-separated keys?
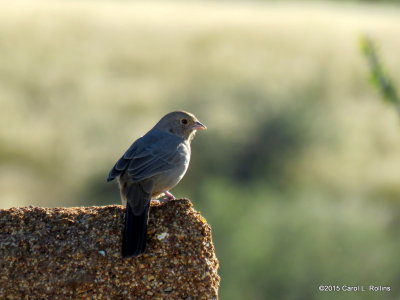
[{"x": 299, "y": 172}]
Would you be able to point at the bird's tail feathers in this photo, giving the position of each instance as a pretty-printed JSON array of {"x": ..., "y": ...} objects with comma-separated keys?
[{"x": 136, "y": 218}]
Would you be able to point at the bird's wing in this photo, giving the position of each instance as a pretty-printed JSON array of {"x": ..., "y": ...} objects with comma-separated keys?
[
  {"x": 150, "y": 155},
  {"x": 123, "y": 162},
  {"x": 156, "y": 158}
]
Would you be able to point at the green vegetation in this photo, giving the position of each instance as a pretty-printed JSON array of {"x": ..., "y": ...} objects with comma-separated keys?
[
  {"x": 379, "y": 78},
  {"x": 298, "y": 173}
]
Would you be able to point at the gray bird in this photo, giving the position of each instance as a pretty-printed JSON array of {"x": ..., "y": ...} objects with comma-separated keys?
[{"x": 152, "y": 165}]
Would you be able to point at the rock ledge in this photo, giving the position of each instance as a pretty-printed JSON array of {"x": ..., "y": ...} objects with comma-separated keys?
[{"x": 74, "y": 253}]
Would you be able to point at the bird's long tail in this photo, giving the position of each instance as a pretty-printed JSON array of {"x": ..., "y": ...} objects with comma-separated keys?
[{"x": 136, "y": 218}]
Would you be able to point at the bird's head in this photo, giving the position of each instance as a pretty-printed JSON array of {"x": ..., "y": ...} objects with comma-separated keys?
[{"x": 180, "y": 123}]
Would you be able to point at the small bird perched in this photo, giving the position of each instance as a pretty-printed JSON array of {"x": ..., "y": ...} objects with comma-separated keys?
[{"x": 152, "y": 165}]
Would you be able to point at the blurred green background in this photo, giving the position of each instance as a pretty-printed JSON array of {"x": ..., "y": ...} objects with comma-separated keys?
[{"x": 299, "y": 171}]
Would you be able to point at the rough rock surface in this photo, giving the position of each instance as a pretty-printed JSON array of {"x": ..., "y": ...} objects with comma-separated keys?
[{"x": 74, "y": 253}]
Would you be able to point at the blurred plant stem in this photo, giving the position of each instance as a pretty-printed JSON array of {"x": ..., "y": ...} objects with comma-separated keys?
[{"x": 378, "y": 75}]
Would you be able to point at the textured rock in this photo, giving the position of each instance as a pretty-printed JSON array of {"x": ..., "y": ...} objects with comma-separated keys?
[{"x": 74, "y": 253}]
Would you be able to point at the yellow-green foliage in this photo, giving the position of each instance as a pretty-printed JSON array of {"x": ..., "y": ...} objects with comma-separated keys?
[
  {"x": 379, "y": 76},
  {"x": 299, "y": 171}
]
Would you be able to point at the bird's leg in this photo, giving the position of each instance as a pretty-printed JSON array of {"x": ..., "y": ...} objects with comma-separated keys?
[
  {"x": 165, "y": 198},
  {"x": 169, "y": 196}
]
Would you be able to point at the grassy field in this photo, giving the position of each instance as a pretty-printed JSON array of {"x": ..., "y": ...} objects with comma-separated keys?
[{"x": 299, "y": 171}]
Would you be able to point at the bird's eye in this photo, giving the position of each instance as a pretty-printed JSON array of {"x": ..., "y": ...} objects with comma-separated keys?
[{"x": 184, "y": 121}]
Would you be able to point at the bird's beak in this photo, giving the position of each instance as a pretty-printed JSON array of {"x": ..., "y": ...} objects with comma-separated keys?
[{"x": 198, "y": 126}]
